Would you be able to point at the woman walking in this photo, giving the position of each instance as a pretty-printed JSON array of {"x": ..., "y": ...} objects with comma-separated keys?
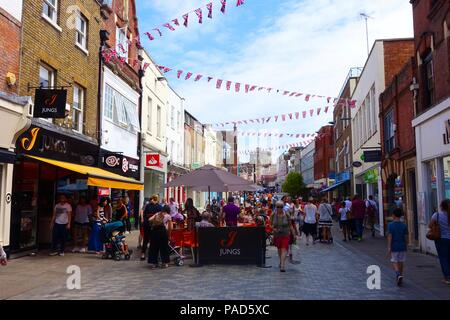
[
  {"x": 310, "y": 225},
  {"x": 98, "y": 219},
  {"x": 345, "y": 223},
  {"x": 161, "y": 227},
  {"x": 282, "y": 228},
  {"x": 122, "y": 212},
  {"x": 325, "y": 220},
  {"x": 441, "y": 220}
]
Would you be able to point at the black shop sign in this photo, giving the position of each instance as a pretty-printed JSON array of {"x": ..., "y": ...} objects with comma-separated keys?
[
  {"x": 48, "y": 144},
  {"x": 50, "y": 103},
  {"x": 120, "y": 164},
  {"x": 372, "y": 156},
  {"x": 231, "y": 246}
]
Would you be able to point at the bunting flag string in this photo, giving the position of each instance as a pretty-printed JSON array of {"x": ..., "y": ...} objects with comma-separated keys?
[
  {"x": 275, "y": 134},
  {"x": 281, "y": 147},
  {"x": 113, "y": 55}
]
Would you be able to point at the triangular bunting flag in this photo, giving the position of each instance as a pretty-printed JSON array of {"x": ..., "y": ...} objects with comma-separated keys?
[
  {"x": 307, "y": 97},
  {"x": 237, "y": 87},
  {"x": 209, "y": 6},
  {"x": 219, "y": 84},
  {"x": 304, "y": 114},
  {"x": 186, "y": 20},
  {"x": 247, "y": 87},
  {"x": 311, "y": 112},
  {"x": 239, "y": 3},
  {"x": 188, "y": 76},
  {"x": 297, "y": 115},
  {"x": 169, "y": 26},
  {"x": 199, "y": 15},
  {"x": 224, "y": 4},
  {"x": 159, "y": 31},
  {"x": 179, "y": 73},
  {"x": 198, "y": 77},
  {"x": 149, "y": 35},
  {"x": 210, "y": 78},
  {"x": 228, "y": 85},
  {"x": 175, "y": 22}
]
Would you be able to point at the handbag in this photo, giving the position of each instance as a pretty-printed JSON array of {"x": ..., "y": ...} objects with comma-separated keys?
[{"x": 434, "y": 232}]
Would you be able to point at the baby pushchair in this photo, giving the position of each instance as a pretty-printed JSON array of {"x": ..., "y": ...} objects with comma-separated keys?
[
  {"x": 175, "y": 251},
  {"x": 320, "y": 229},
  {"x": 112, "y": 250}
]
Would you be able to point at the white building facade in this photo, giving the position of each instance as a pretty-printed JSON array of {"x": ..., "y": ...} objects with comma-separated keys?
[
  {"x": 366, "y": 127},
  {"x": 154, "y": 162}
]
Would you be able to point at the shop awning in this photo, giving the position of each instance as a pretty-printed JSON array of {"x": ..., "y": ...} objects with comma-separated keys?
[
  {"x": 337, "y": 185},
  {"x": 97, "y": 177}
]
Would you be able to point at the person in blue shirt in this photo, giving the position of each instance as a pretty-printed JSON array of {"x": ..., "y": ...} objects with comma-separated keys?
[{"x": 397, "y": 244}]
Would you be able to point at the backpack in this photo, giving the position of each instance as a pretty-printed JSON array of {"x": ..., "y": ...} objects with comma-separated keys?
[{"x": 371, "y": 210}]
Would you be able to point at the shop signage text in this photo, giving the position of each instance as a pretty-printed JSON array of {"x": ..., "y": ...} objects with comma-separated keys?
[
  {"x": 120, "y": 164},
  {"x": 52, "y": 145},
  {"x": 372, "y": 156},
  {"x": 50, "y": 103}
]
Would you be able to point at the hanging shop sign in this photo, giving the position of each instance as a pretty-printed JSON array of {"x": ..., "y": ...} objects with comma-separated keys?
[
  {"x": 156, "y": 161},
  {"x": 104, "y": 192},
  {"x": 231, "y": 246},
  {"x": 446, "y": 135},
  {"x": 372, "y": 156},
  {"x": 44, "y": 143},
  {"x": 371, "y": 176},
  {"x": 120, "y": 164},
  {"x": 357, "y": 164},
  {"x": 50, "y": 104}
]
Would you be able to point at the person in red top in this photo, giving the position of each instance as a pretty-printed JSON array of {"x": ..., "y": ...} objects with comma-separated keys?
[{"x": 358, "y": 213}]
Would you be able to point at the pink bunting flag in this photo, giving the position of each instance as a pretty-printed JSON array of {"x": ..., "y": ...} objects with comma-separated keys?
[
  {"x": 352, "y": 104},
  {"x": 247, "y": 87},
  {"x": 224, "y": 4},
  {"x": 159, "y": 31},
  {"x": 285, "y": 93},
  {"x": 311, "y": 112},
  {"x": 188, "y": 76},
  {"x": 199, "y": 15},
  {"x": 268, "y": 119},
  {"x": 176, "y": 22},
  {"x": 146, "y": 65},
  {"x": 149, "y": 35},
  {"x": 209, "y": 6},
  {"x": 210, "y": 78},
  {"x": 299, "y": 95},
  {"x": 198, "y": 77},
  {"x": 169, "y": 26},
  {"x": 269, "y": 89},
  {"x": 253, "y": 88},
  {"x": 138, "y": 41},
  {"x": 328, "y": 99},
  {"x": 179, "y": 73},
  {"x": 307, "y": 97},
  {"x": 297, "y": 136},
  {"x": 237, "y": 87},
  {"x": 239, "y": 3},
  {"x": 292, "y": 94},
  {"x": 290, "y": 116},
  {"x": 219, "y": 84},
  {"x": 228, "y": 85},
  {"x": 304, "y": 114},
  {"x": 186, "y": 20},
  {"x": 318, "y": 111},
  {"x": 121, "y": 48},
  {"x": 297, "y": 115},
  {"x": 165, "y": 70},
  {"x": 276, "y": 118},
  {"x": 326, "y": 109}
]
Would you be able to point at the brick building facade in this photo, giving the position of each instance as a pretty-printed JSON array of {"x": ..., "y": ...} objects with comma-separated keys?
[
  {"x": 398, "y": 147},
  {"x": 56, "y": 49},
  {"x": 324, "y": 171},
  {"x": 10, "y": 52},
  {"x": 432, "y": 120}
]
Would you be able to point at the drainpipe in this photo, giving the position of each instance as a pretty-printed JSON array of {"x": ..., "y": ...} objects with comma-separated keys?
[{"x": 104, "y": 36}]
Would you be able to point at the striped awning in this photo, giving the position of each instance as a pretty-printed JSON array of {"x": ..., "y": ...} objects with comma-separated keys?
[{"x": 391, "y": 168}]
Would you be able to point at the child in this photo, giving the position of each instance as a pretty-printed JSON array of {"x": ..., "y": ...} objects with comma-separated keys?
[
  {"x": 397, "y": 244},
  {"x": 343, "y": 220},
  {"x": 119, "y": 239}
]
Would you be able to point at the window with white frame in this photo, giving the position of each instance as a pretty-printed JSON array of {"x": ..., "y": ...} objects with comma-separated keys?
[
  {"x": 172, "y": 117},
  {"x": 81, "y": 34},
  {"x": 46, "y": 79},
  {"x": 109, "y": 103},
  {"x": 389, "y": 131},
  {"x": 374, "y": 109},
  {"x": 179, "y": 120},
  {"x": 121, "y": 40},
  {"x": 50, "y": 10},
  {"x": 158, "y": 122},
  {"x": 369, "y": 120},
  {"x": 149, "y": 115},
  {"x": 132, "y": 115},
  {"x": 78, "y": 108}
]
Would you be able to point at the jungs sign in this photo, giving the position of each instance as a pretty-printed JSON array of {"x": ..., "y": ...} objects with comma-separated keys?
[
  {"x": 232, "y": 246},
  {"x": 52, "y": 145},
  {"x": 50, "y": 103}
]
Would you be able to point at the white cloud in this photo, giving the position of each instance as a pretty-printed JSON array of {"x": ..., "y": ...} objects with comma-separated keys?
[{"x": 309, "y": 47}]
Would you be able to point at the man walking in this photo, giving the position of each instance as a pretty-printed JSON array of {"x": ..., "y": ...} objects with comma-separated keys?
[
  {"x": 152, "y": 208},
  {"x": 358, "y": 213},
  {"x": 372, "y": 210},
  {"x": 231, "y": 212}
]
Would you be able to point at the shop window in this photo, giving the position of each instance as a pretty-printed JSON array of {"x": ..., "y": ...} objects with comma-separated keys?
[
  {"x": 446, "y": 167},
  {"x": 81, "y": 34},
  {"x": 108, "y": 107},
  {"x": 50, "y": 10},
  {"x": 158, "y": 122},
  {"x": 46, "y": 80},
  {"x": 149, "y": 115},
  {"x": 121, "y": 40},
  {"x": 432, "y": 186}
]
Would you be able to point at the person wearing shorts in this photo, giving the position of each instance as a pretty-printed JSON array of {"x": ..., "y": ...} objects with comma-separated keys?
[
  {"x": 310, "y": 225},
  {"x": 397, "y": 244}
]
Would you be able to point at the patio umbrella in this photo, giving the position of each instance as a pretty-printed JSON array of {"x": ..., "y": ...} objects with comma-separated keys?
[{"x": 210, "y": 178}]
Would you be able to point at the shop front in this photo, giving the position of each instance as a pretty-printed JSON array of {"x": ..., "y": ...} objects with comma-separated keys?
[
  {"x": 155, "y": 174},
  {"x": 177, "y": 193},
  {"x": 14, "y": 113},
  {"x": 433, "y": 166},
  {"x": 51, "y": 162}
]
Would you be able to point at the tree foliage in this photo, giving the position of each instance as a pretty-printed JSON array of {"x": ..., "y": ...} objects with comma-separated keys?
[{"x": 294, "y": 184}]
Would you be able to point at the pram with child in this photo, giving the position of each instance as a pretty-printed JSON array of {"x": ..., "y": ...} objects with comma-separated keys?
[{"x": 116, "y": 247}]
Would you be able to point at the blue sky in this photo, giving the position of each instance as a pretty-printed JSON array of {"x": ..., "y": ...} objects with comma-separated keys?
[{"x": 305, "y": 46}]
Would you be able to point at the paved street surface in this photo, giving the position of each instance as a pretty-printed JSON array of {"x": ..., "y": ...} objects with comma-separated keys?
[{"x": 326, "y": 272}]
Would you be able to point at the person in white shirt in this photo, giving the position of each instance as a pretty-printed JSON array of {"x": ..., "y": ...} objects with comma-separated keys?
[
  {"x": 310, "y": 225},
  {"x": 81, "y": 223},
  {"x": 345, "y": 223},
  {"x": 173, "y": 207},
  {"x": 60, "y": 223},
  {"x": 325, "y": 220}
]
